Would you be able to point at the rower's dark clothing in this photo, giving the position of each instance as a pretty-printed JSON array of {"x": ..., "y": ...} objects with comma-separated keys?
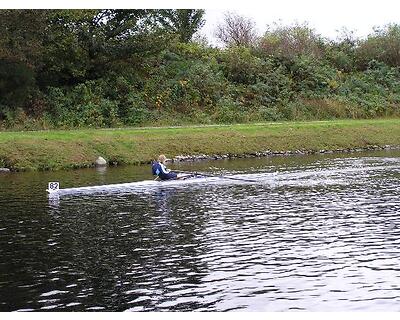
[{"x": 161, "y": 171}]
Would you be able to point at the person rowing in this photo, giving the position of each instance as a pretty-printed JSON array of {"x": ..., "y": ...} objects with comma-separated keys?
[{"x": 160, "y": 170}]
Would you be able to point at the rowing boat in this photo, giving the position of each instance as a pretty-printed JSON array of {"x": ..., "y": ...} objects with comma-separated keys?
[
  {"x": 54, "y": 186},
  {"x": 183, "y": 178}
]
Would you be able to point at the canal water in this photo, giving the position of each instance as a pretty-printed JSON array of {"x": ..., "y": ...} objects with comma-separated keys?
[{"x": 312, "y": 233}]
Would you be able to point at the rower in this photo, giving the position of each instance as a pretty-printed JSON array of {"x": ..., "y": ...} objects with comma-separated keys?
[{"x": 159, "y": 169}]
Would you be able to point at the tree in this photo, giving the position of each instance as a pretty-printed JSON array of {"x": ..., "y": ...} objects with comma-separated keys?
[
  {"x": 22, "y": 33},
  {"x": 236, "y": 31},
  {"x": 87, "y": 44},
  {"x": 341, "y": 52},
  {"x": 289, "y": 42},
  {"x": 382, "y": 45},
  {"x": 183, "y": 22},
  {"x": 21, "y": 51}
]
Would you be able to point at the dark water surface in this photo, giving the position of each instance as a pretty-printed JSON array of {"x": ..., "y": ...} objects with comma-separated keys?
[{"x": 314, "y": 233}]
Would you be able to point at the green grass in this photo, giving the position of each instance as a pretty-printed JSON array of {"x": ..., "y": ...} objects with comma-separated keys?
[{"x": 51, "y": 150}]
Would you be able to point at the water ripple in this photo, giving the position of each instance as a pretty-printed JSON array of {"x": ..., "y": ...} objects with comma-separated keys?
[{"x": 314, "y": 235}]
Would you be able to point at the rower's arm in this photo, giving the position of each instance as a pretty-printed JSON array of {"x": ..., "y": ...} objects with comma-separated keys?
[{"x": 164, "y": 169}]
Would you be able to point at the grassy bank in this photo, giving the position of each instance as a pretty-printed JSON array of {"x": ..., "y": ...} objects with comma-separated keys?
[{"x": 52, "y": 150}]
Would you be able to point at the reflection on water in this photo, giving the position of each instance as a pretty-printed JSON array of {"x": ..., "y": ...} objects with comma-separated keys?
[{"x": 314, "y": 233}]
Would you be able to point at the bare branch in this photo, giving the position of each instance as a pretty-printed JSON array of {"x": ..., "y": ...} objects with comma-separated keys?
[{"x": 236, "y": 31}]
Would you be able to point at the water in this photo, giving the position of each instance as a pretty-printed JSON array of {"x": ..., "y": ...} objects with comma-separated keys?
[{"x": 313, "y": 233}]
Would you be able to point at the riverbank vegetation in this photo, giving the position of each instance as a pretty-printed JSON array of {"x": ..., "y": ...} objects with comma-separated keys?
[
  {"x": 64, "y": 69},
  {"x": 57, "y": 149}
]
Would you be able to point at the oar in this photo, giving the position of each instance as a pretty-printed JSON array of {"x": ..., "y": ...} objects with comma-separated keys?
[{"x": 214, "y": 176}]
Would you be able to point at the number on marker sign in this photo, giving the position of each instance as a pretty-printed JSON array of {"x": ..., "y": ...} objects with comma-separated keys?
[{"x": 54, "y": 186}]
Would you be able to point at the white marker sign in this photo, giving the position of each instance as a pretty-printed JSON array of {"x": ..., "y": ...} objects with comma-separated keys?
[{"x": 53, "y": 187}]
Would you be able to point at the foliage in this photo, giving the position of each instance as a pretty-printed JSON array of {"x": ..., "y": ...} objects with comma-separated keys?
[
  {"x": 341, "y": 53},
  {"x": 382, "y": 45},
  {"x": 113, "y": 68},
  {"x": 16, "y": 82},
  {"x": 180, "y": 83},
  {"x": 241, "y": 66},
  {"x": 313, "y": 78},
  {"x": 88, "y": 44},
  {"x": 21, "y": 55},
  {"x": 256, "y": 81},
  {"x": 182, "y": 22},
  {"x": 289, "y": 42},
  {"x": 377, "y": 90},
  {"x": 228, "y": 111},
  {"x": 236, "y": 30},
  {"x": 22, "y": 34}
]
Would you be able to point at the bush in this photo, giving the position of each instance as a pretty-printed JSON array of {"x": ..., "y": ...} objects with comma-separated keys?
[
  {"x": 275, "y": 88},
  {"x": 82, "y": 106},
  {"x": 240, "y": 66},
  {"x": 16, "y": 83},
  {"x": 377, "y": 90},
  {"x": 312, "y": 78},
  {"x": 270, "y": 113},
  {"x": 18, "y": 119},
  {"x": 134, "y": 110},
  {"x": 289, "y": 42},
  {"x": 383, "y": 45},
  {"x": 256, "y": 81},
  {"x": 181, "y": 85},
  {"x": 325, "y": 108},
  {"x": 200, "y": 117},
  {"x": 229, "y": 111},
  {"x": 291, "y": 73}
]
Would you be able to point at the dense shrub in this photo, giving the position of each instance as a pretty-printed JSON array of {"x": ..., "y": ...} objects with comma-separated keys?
[
  {"x": 382, "y": 45},
  {"x": 180, "y": 84},
  {"x": 313, "y": 78},
  {"x": 229, "y": 111},
  {"x": 289, "y": 42},
  {"x": 255, "y": 81},
  {"x": 341, "y": 53},
  {"x": 377, "y": 90},
  {"x": 79, "y": 73},
  {"x": 322, "y": 108},
  {"x": 270, "y": 113},
  {"x": 82, "y": 106},
  {"x": 17, "y": 81},
  {"x": 240, "y": 66}
]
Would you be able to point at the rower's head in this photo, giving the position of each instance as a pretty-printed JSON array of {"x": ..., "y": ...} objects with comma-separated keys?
[{"x": 162, "y": 158}]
